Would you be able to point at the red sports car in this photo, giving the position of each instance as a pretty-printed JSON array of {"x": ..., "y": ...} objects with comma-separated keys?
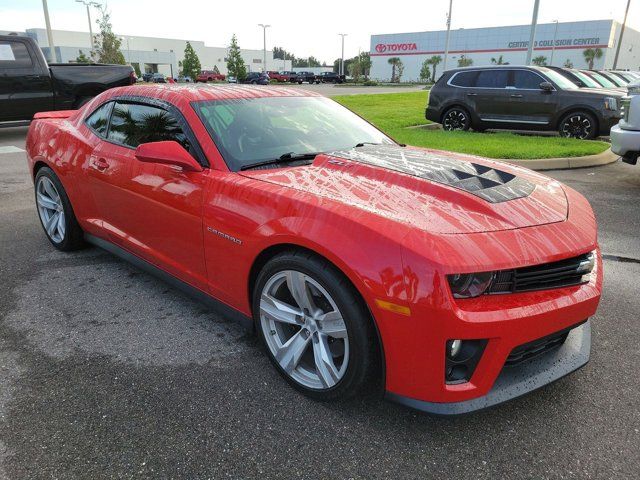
[{"x": 457, "y": 281}]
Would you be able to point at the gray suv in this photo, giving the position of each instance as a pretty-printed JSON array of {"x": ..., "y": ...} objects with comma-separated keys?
[{"x": 521, "y": 98}]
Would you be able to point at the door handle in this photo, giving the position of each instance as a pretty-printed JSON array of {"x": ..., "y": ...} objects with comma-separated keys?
[
  {"x": 100, "y": 164},
  {"x": 516, "y": 95},
  {"x": 471, "y": 94}
]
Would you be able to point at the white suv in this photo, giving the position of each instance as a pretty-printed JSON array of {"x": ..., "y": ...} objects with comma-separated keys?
[{"x": 625, "y": 137}]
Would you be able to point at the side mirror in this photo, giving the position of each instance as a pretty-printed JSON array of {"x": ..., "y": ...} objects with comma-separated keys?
[
  {"x": 167, "y": 153},
  {"x": 546, "y": 87}
]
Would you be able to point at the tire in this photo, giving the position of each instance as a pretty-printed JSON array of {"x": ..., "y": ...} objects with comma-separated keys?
[
  {"x": 299, "y": 83},
  {"x": 324, "y": 366},
  {"x": 456, "y": 118},
  {"x": 580, "y": 125},
  {"x": 51, "y": 199},
  {"x": 254, "y": 82}
]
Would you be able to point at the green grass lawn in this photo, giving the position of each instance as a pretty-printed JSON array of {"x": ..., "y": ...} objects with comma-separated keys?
[{"x": 394, "y": 112}]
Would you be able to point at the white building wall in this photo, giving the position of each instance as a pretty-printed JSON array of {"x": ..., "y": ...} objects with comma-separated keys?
[
  {"x": 484, "y": 44},
  {"x": 165, "y": 53}
]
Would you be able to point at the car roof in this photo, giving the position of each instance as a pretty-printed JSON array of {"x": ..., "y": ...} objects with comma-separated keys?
[
  {"x": 494, "y": 67},
  {"x": 176, "y": 93}
]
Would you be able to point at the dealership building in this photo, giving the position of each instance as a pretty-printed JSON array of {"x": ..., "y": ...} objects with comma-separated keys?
[
  {"x": 560, "y": 44},
  {"x": 151, "y": 54}
]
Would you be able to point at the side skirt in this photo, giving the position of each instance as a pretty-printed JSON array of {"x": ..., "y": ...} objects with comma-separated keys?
[{"x": 217, "y": 306}]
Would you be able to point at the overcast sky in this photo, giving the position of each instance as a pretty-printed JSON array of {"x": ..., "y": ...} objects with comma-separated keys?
[{"x": 304, "y": 27}]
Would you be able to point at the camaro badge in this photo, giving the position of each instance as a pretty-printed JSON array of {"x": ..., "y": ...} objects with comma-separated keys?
[{"x": 226, "y": 236}]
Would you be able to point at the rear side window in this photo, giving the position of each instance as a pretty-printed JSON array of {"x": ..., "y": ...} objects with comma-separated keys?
[
  {"x": 133, "y": 124},
  {"x": 14, "y": 55},
  {"x": 492, "y": 79},
  {"x": 99, "y": 120},
  {"x": 526, "y": 80},
  {"x": 464, "y": 79}
]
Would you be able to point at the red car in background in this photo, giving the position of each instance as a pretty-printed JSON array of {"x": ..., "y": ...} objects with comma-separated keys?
[
  {"x": 210, "y": 76},
  {"x": 280, "y": 76},
  {"x": 460, "y": 282}
]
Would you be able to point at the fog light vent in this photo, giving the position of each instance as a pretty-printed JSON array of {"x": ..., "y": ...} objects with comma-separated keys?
[{"x": 461, "y": 358}]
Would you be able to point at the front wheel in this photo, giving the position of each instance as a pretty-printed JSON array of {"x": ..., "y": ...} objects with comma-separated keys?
[
  {"x": 580, "y": 125},
  {"x": 316, "y": 331},
  {"x": 456, "y": 118},
  {"x": 55, "y": 212}
]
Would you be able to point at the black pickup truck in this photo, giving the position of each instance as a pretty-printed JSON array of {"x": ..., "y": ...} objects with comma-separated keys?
[{"x": 28, "y": 85}]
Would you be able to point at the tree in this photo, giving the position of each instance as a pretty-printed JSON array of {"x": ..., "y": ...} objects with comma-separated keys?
[
  {"x": 434, "y": 61},
  {"x": 235, "y": 62},
  {"x": 365, "y": 63},
  {"x": 355, "y": 69},
  {"x": 568, "y": 63},
  {"x": 107, "y": 44},
  {"x": 498, "y": 61},
  {"x": 540, "y": 60},
  {"x": 425, "y": 73},
  {"x": 82, "y": 58},
  {"x": 136, "y": 68},
  {"x": 395, "y": 62},
  {"x": 281, "y": 54},
  {"x": 191, "y": 64},
  {"x": 464, "y": 61},
  {"x": 591, "y": 55}
]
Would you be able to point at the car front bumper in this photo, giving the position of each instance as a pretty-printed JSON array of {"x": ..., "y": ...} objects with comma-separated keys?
[
  {"x": 624, "y": 141},
  {"x": 518, "y": 380}
]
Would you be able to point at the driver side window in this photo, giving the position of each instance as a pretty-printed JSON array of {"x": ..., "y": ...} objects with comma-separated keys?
[{"x": 135, "y": 123}]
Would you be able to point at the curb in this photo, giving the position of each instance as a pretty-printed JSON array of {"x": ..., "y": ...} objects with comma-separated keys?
[{"x": 597, "y": 160}]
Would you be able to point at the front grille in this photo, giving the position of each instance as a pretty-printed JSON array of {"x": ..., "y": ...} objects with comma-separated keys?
[
  {"x": 564, "y": 273},
  {"x": 538, "y": 347}
]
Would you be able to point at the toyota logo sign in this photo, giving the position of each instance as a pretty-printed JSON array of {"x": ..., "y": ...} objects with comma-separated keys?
[{"x": 396, "y": 47}]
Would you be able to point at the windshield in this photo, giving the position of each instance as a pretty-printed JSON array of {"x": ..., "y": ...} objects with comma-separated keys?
[
  {"x": 586, "y": 79},
  {"x": 605, "y": 82},
  {"x": 560, "y": 80},
  {"x": 616, "y": 80},
  {"x": 249, "y": 131}
]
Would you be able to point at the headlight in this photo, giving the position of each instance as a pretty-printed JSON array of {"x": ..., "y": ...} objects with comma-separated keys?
[
  {"x": 611, "y": 103},
  {"x": 467, "y": 285}
]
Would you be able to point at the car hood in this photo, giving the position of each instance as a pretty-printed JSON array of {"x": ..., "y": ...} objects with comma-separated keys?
[
  {"x": 435, "y": 191},
  {"x": 599, "y": 92}
]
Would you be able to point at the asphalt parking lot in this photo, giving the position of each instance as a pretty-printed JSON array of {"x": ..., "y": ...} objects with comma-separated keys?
[{"x": 106, "y": 372}]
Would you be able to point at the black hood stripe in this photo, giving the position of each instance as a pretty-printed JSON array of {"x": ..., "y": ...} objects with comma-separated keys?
[{"x": 488, "y": 183}]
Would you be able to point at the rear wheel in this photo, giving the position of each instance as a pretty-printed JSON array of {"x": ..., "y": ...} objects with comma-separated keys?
[
  {"x": 316, "y": 331},
  {"x": 580, "y": 125},
  {"x": 55, "y": 212},
  {"x": 456, "y": 118}
]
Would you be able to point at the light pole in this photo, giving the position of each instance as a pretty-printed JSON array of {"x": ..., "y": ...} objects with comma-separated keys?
[
  {"x": 89, "y": 4},
  {"x": 342, "y": 56},
  {"x": 553, "y": 45},
  {"x": 624, "y": 24},
  {"x": 264, "y": 45},
  {"x": 52, "y": 47},
  {"x": 446, "y": 42},
  {"x": 532, "y": 36}
]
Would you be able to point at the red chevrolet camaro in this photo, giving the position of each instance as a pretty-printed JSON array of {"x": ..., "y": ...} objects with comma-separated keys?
[{"x": 457, "y": 281}]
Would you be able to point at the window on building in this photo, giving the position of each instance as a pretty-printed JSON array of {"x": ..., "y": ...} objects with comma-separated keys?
[
  {"x": 492, "y": 79},
  {"x": 257, "y": 60},
  {"x": 133, "y": 124}
]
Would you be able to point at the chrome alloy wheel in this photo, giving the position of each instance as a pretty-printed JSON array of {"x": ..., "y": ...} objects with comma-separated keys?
[
  {"x": 50, "y": 209},
  {"x": 304, "y": 329},
  {"x": 455, "y": 120},
  {"x": 577, "y": 126}
]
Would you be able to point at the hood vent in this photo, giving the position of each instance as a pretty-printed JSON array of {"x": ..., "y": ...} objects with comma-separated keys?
[{"x": 488, "y": 183}]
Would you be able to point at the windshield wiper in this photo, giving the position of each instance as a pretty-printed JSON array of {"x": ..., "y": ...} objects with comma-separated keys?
[
  {"x": 284, "y": 158},
  {"x": 362, "y": 144}
]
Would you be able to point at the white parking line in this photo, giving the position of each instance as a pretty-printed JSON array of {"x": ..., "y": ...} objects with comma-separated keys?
[{"x": 10, "y": 149}]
